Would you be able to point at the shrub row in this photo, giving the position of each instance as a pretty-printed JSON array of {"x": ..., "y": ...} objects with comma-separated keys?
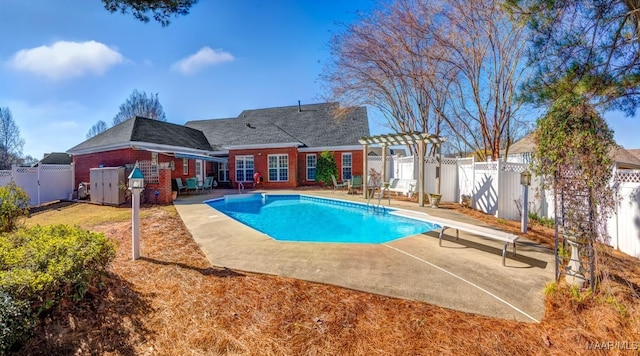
[{"x": 40, "y": 266}]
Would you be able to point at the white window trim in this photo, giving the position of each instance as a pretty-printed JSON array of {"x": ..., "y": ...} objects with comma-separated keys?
[
  {"x": 225, "y": 168},
  {"x": 278, "y": 168},
  {"x": 185, "y": 167},
  {"x": 307, "y": 166},
  {"x": 343, "y": 166},
  {"x": 244, "y": 158}
]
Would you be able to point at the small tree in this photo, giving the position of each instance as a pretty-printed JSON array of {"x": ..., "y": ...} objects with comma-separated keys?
[
  {"x": 98, "y": 128},
  {"x": 11, "y": 142},
  {"x": 142, "y": 104},
  {"x": 574, "y": 146},
  {"x": 14, "y": 204},
  {"x": 325, "y": 167}
]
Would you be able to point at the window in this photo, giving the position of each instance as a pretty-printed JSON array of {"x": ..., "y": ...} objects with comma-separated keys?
[
  {"x": 278, "y": 168},
  {"x": 311, "y": 166},
  {"x": 154, "y": 157},
  {"x": 199, "y": 169},
  {"x": 185, "y": 166},
  {"x": 244, "y": 168},
  {"x": 346, "y": 166},
  {"x": 223, "y": 172}
]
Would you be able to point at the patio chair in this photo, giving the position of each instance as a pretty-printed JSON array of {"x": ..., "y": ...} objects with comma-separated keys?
[
  {"x": 208, "y": 184},
  {"x": 192, "y": 184},
  {"x": 337, "y": 185},
  {"x": 181, "y": 186},
  {"x": 354, "y": 183}
]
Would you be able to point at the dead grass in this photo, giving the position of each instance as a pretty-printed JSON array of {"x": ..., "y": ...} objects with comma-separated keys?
[{"x": 172, "y": 302}]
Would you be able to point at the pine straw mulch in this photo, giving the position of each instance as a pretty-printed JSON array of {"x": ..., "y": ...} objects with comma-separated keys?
[{"x": 172, "y": 302}]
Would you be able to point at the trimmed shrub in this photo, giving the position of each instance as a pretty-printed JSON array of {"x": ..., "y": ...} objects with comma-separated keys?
[
  {"x": 325, "y": 167},
  {"x": 14, "y": 204},
  {"x": 16, "y": 321},
  {"x": 41, "y": 266}
]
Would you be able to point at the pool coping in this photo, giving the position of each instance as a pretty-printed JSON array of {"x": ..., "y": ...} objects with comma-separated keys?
[{"x": 465, "y": 275}]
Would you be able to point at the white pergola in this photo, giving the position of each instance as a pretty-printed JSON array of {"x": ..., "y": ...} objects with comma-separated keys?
[{"x": 411, "y": 138}]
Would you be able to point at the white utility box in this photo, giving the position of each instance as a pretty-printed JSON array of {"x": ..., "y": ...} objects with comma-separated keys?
[{"x": 108, "y": 185}]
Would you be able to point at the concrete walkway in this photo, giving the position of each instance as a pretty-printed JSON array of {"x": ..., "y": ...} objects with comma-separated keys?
[{"x": 465, "y": 275}]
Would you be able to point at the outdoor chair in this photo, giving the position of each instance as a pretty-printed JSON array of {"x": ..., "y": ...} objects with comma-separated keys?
[
  {"x": 192, "y": 184},
  {"x": 181, "y": 186},
  {"x": 208, "y": 184},
  {"x": 337, "y": 185},
  {"x": 354, "y": 183}
]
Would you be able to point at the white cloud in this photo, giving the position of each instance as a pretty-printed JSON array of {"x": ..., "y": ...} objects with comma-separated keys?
[
  {"x": 203, "y": 58},
  {"x": 66, "y": 59}
]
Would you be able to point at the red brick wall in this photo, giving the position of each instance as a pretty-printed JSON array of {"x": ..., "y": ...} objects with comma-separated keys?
[
  {"x": 121, "y": 157},
  {"x": 163, "y": 188},
  {"x": 356, "y": 164},
  {"x": 261, "y": 165},
  {"x": 297, "y": 166},
  {"x": 115, "y": 158}
]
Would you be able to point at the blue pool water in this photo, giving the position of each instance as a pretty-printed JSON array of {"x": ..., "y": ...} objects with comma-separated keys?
[{"x": 311, "y": 219}]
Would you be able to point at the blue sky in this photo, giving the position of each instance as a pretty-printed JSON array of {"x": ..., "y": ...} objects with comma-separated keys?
[{"x": 66, "y": 64}]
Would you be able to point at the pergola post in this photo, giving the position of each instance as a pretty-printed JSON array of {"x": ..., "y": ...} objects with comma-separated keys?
[
  {"x": 365, "y": 175},
  {"x": 438, "y": 167},
  {"x": 409, "y": 138},
  {"x": 384, "y": 163},
  {"x": 421, "y": 173}
]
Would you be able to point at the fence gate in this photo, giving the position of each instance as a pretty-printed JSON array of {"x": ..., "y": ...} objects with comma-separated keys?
[{"x": 44, "y": 183}]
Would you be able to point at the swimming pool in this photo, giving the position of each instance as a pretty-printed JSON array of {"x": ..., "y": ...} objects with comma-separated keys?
[{"x": 312, "y": 219}]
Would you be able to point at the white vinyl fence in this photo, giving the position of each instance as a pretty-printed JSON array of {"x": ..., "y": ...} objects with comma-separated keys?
[
  {"x": 624, "y": 225},
  {"x": 44, "y": 183},
  {"x": 375, "y": 162}
]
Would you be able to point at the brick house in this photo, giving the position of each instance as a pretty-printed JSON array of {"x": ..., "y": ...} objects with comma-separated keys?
[
  {"x": 283, "y": 143},
  {"x": 173, "y": 151}
]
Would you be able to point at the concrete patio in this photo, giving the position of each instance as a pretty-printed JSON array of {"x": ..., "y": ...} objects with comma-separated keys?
[{"x": 465, "y": 275}]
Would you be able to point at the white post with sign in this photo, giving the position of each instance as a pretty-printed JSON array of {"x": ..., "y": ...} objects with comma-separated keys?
[{"x": 136, "y": 185}]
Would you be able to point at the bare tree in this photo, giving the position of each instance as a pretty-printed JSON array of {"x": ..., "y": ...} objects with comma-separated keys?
[
  {"x": 10, "y": 141},
  {"x": 97, "y": 129},
  {"x": 444, "y": 67},
  {"x": 140, "y": 104}
]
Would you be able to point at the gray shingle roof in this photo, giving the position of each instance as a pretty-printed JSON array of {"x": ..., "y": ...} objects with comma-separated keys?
[
  {"x": 56, "y": 158},
  {"x": 315, "y": 125},
  {"x": 141, "y": 129}
]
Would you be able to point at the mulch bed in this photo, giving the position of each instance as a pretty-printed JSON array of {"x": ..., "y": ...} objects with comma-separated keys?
[{"x": 172, "y": 302}]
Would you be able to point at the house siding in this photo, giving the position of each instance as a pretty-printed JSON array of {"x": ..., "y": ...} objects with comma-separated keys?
[
  {"x": 297, "y": 166},
  {"x": 261, "y": 164},
  {"x": 122, "y": 157},
  {"x": 356, "y": 164}
]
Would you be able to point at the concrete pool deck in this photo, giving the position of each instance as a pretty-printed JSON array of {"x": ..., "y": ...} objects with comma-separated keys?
[{"x": 465, "y": 275}]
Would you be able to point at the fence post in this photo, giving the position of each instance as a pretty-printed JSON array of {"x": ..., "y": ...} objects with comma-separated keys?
[
  {"x": 473, "y": 182},
  {"x": 38, "y": 167},
  {"x": 498, "y": 176}
]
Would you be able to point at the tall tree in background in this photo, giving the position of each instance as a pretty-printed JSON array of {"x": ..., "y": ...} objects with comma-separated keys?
[
  {"x": 10, "y": 141},
  {"x": 97, "y": 129},
  {"x": 589, "y": 48},
  {"x": 444, "y": 67},
  {"x": 140, "y": 104},
  {"x": 144, "y": 10}
]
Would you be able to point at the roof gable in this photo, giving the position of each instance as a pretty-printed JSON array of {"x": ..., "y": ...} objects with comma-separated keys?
[
  {"x": 314, "y": 125},
  {"x": 56, "y": 158},
  {"x": 619, "y": 155},
  {"x": 143, "y": 130}
]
